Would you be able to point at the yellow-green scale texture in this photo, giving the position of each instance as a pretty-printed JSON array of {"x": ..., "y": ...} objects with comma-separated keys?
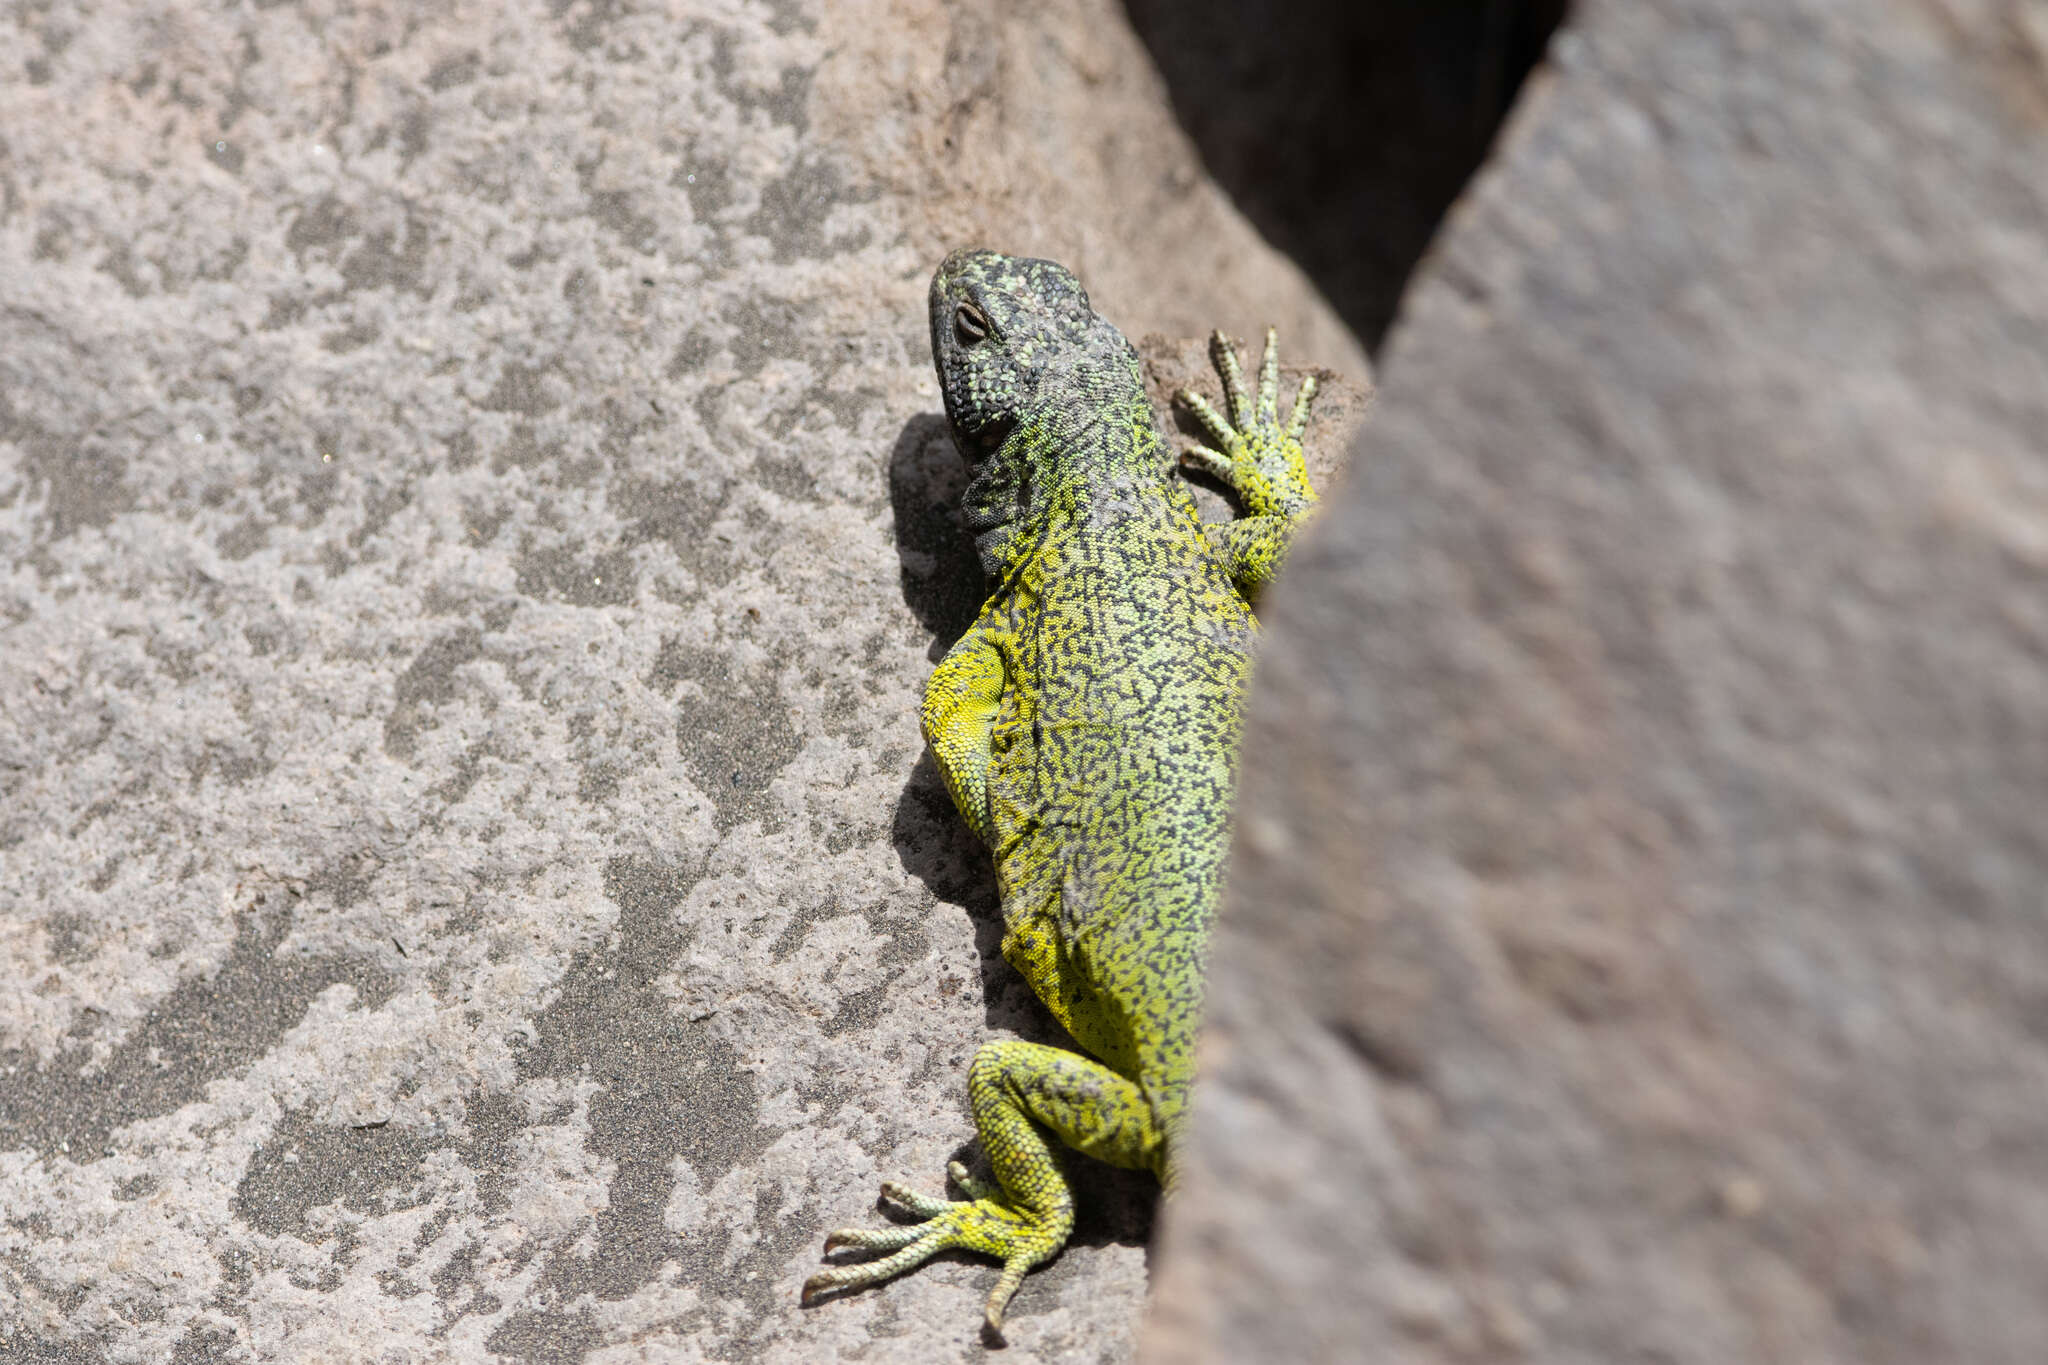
[{"x": 1087, "y": 725}]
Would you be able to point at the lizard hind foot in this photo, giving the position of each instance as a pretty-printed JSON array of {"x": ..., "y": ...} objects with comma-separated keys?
[{"x": 986, "y": 1222}]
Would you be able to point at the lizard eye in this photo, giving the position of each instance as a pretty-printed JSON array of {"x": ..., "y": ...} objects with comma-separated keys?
[{"x": 969, "y": 325}]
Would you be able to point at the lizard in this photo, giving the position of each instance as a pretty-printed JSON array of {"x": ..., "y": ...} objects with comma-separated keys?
[{"x": 1087, "y": 727}]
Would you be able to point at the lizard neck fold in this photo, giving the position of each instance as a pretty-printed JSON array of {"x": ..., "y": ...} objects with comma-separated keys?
[{"x": 1053, "y": 471}]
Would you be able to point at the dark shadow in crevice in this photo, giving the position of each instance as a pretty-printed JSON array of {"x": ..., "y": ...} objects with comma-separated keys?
[{"x": 1344, "y": 129}]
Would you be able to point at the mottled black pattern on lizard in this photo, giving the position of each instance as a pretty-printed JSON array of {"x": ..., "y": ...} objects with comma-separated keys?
[{"x": 1087, "y": 725}]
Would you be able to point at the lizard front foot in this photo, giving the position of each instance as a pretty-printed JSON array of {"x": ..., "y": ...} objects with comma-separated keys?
[
  {"x": 1260, "y": 460},
  {"x": 986, "y": 1221}
]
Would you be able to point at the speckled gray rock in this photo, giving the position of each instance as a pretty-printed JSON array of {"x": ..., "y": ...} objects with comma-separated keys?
[
  {"x": 1635, "y": 949},
  {"x": 473, "y": 527}
]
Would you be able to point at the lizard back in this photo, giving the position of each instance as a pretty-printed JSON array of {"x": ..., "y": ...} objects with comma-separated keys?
[{"x": 1125, "y": 649}]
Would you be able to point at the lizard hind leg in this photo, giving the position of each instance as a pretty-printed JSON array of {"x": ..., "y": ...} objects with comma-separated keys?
[{"x": 1019, "y": 1092}]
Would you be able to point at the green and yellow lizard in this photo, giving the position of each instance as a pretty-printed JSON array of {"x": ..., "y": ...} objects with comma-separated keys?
[{"x": 1087, "y": 725}]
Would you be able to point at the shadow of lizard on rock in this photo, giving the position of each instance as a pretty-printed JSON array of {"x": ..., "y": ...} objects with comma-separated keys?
[{"x": 944, "y": 586}]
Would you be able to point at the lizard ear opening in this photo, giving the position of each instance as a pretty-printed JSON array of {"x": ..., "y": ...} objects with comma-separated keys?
[{"x": 969, "y": 326}]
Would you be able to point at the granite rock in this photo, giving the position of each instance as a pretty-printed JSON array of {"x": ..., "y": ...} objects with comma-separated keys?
[{"x": 474, "y": 524}]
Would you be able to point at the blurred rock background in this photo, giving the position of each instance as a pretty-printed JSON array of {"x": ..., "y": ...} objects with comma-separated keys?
[{"x": 1636, "y": 948}]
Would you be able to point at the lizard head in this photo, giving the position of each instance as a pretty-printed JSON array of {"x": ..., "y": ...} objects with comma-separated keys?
[{"x": 1014, "y": 337}]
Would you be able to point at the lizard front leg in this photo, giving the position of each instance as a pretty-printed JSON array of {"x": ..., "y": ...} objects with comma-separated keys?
[
  {"x": 1260, "y": 460},
  {"x": 961, "y": 701}
]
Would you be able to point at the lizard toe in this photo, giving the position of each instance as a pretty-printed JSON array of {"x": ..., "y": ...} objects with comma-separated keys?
[{"x": 991, "y": 1226}]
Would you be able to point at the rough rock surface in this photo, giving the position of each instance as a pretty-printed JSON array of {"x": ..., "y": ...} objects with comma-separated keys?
[
  {"x": 1635, "y": 949},
  {"x": 474, "y": 522}
]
